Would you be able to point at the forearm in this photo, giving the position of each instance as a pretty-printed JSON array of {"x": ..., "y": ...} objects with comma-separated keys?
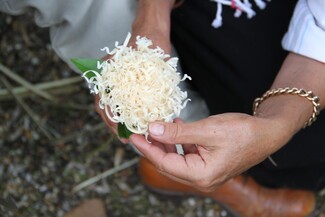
[
  {"x": 153, "y": 14},
  {"x": 289, "y": 111}
]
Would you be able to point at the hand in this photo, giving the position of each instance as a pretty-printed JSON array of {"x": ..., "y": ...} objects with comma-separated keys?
[
  {"x": 215, "y": 149},
  {"x": 152, "y": 21},
  {"x": 157, "y": 39}
]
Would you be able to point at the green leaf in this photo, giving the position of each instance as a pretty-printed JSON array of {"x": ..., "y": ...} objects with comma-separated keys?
[
  {"x": 85, "y": 65},
  {"x": 123, "y": 132}
]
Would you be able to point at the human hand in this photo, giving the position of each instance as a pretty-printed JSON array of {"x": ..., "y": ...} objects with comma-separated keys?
[
  {"x": 107, "y": 114},
  {"x": 215, "y": 149},
  {"x": 152, "y": 21}
]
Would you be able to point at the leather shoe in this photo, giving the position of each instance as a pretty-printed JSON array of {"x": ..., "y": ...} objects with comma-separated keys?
[{"x": 241, "y": 195}]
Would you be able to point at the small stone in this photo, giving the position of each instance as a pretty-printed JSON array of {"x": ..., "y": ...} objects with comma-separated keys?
[
  {"x": 210, "y": 213},
  {"x": 60, "y": 213},
  {"x": 1, "y": 170},
  {"x": 102, "y": 189},
  {"x": 88, "y": 208},
  {"x": 8, "y": 19},
  {"x": 9, "y": 48},
  {"x": 123, "y": 186},
  {"x": 223, "y": 213},
  {"x": 35, "y": 61},
  {"x": 208, "y": 200},
  {"x": 191, "y": 202},
  {"x": 43, "y": 188},
  {"x": 18, "y": 46},
  {"x": 189, "y": 214},
  {"x": 153, "y": 200}
]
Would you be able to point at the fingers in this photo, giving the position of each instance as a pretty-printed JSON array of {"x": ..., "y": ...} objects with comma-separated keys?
[
  {"x": 107, "y": 57},
  {"x": 169, "y": 163},
  {"x": 111, "y": 125},
  {"x": 178, "y": 133},
  {"x": 166, "y": 148},
  {"x": 178, "y": 120},
  {"x": 188, "y": 148}
]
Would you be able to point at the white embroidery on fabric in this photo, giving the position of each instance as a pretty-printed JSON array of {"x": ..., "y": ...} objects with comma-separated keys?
[{"x": 240, "y": 6}]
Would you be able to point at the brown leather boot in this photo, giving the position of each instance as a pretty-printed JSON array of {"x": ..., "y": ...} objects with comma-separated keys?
[{"x": 242, "y": 196}]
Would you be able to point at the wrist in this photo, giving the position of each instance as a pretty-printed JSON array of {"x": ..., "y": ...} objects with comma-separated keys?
[
  {"x": 153, "y": 21},
  {"x": 288, "y": 113},
  {"x": 153, "y": 14}
]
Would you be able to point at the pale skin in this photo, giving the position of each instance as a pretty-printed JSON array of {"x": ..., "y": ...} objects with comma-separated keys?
[{"x": 222, "y": 146}]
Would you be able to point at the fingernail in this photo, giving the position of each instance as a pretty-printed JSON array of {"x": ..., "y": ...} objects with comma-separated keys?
[{"x": 156, "y": 129}]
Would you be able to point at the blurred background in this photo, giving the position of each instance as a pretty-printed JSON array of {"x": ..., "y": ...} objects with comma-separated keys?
[{"x": 51, "y": 140}]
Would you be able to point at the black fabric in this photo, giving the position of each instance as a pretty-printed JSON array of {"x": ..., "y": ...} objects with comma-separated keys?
[{"x": 236, "y": 63}]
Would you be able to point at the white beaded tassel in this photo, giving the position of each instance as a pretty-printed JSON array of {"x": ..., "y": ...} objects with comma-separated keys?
[
  {"x": 217, "y": 22},
  {"x": 240, "y": 6},
  {"x": 260, "y": 4}
]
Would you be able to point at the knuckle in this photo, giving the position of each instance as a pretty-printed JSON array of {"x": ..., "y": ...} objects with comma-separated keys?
[
  {"x": 207, "y": 189},
  {"x": 176, "y": 132},
  {"x": 209, "y": 182},
  {"x": 207, "y": 186},
  {"x": 160, "y": 168},
  {"x": 203, "y": 183}
]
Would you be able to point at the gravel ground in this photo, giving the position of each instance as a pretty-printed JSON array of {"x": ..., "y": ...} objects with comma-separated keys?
[{"x": 39, "y": 168}]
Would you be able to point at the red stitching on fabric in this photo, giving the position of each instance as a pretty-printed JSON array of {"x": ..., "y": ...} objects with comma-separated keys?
[{"x": 233, "y": 4}]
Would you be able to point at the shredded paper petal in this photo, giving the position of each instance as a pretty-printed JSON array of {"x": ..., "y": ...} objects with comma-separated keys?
[{"x": 139, "y": 85}]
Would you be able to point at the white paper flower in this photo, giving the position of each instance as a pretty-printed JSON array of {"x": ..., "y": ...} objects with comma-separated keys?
[{"x": 139, "y": 85}]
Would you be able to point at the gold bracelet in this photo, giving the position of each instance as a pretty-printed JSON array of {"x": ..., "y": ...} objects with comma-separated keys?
[{"x": 292, "y": 91}]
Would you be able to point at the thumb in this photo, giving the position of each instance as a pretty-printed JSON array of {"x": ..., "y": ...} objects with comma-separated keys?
[{"x": 177, "y": 133}]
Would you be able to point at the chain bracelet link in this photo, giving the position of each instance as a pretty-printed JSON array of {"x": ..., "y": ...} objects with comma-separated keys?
[{"x": 292, "y": 91}]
